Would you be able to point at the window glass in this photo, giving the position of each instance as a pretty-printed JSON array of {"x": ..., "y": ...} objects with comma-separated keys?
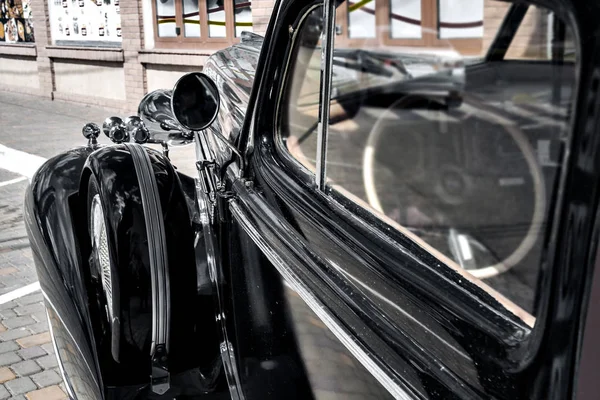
[
  {"x": 463, "y": 157},
  {"x": 216, "y": 18},
  {"x": 405, "y": 19},
  {"x": 361, "y": 19},
  {"x": 243, "y": 16},
  {"x": 191, "y": 18},
  {"x": 165, "y": 18},
  {"x": 302, "y": 112},
  {"x": 454, "y": 22},
  {"x": 533, "y": 38},
  {"x": 16, "y": 23},
  {"x": 197, "y": 22}
]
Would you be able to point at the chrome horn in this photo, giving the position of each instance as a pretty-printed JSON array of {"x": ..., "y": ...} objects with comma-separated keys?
[
  {"x": 114, "y": 128},
  {"x": 137, "y": 130}
]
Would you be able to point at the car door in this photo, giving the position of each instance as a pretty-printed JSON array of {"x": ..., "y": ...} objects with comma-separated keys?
[{"x": 414, "y": 223}]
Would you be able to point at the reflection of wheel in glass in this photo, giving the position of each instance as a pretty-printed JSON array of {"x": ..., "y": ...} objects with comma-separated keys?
[{"x": 466, "y": 182}]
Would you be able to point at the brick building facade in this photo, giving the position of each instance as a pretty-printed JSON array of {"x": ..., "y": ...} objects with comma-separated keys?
[{"x": 118, "y": 76}]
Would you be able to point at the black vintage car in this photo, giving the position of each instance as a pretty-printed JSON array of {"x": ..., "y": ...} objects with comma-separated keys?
[{"x": 370, "y": 219}]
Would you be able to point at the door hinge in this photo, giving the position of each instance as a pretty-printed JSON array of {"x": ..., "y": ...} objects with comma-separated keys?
[
  {"x": 210, "y": 182},
  {"x": 213, "y": 188}
]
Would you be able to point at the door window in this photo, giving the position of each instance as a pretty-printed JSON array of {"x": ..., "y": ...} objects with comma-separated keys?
[{"x": 463, "y": 156}]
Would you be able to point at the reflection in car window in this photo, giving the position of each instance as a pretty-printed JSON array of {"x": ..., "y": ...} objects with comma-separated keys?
[
  {"x": 302, "y": 111},
  {"x": 462, "y": 153}
]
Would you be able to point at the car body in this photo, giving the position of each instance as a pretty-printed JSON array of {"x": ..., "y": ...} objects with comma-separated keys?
[{"x": 260, "y": 278}]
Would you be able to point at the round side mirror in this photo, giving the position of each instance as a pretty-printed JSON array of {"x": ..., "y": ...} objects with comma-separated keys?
[{"x": 195, "y": 101}]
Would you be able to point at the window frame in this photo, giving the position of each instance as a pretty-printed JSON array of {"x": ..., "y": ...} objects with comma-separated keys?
[
  {"x": 429, "y": 25},
  {"x": 204, "y": 41}
]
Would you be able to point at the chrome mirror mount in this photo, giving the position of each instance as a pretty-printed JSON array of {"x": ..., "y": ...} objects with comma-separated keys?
[{"x": 195, "y": 103}]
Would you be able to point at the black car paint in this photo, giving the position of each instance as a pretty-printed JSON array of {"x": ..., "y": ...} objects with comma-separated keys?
[
  {"x": 232, "y": 69},
  {"x": 50, "y": 213},
  {"x": 274, "y": 218}
]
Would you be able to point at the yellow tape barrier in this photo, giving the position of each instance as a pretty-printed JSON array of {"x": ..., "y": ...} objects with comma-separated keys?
[{"x": 195, "y": 21}]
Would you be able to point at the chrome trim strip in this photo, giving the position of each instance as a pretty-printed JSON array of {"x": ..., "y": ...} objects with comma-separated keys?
[
  {"x": 293, "y": 281},
  {"x": 226, "y": 348},
  {"x": 204, "y": 153},
  {"x": 325, "y": 95},
  {"x": 51, "y": 304},
  {"x": 61, "y": 368}
]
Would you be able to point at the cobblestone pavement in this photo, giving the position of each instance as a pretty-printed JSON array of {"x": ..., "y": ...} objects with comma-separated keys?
[{"x": 28, "y": 368}]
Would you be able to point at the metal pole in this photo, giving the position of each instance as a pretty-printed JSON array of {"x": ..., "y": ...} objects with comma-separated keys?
[
  {"x": 559, "y": 34},
  {"x": 325, "y": 94}
]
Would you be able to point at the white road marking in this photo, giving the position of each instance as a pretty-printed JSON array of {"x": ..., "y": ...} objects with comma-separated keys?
[
  {"x": 19, "y": 162},
  {"x": 15, "y": 294},
  {"x": 486, "y": 115},
  {"x": 6, "y": 183},
  {"x": 540, "y": 120},
  {"x": 24, "y": 164},
  {"x": 433, "y": 115},
  {"x": 555, "y": 110}
]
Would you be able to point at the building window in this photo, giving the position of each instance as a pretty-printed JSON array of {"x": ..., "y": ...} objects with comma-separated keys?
[
  {"x": 16, "y": 25},
  {"x": 187, "y": 23},
  {"x": 432, "y": 23},
  {"x": 85, "y": 23}
]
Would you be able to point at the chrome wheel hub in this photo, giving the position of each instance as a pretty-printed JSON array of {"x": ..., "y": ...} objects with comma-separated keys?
[{"x": 100, "y": 252}]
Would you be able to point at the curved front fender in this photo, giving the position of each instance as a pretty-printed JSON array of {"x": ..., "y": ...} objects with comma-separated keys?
[{"x": 51, "y": 215}]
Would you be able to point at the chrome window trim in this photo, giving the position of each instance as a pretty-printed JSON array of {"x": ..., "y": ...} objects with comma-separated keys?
[
  {"x": 278, "y": 117},
  {"x": 325, "y": 92}
]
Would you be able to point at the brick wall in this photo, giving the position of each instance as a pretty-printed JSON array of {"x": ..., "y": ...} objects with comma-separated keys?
[
  {"x": 133, "y": 58},
  {"x": 261, "y": 14},
  {"x": 41, "y": 19},
  {"x": 532, "y": 37},
  {"x": 132, "y": 26},
  {"x": 493, "y": 15},
  {"x": 530, "y": 40}
]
